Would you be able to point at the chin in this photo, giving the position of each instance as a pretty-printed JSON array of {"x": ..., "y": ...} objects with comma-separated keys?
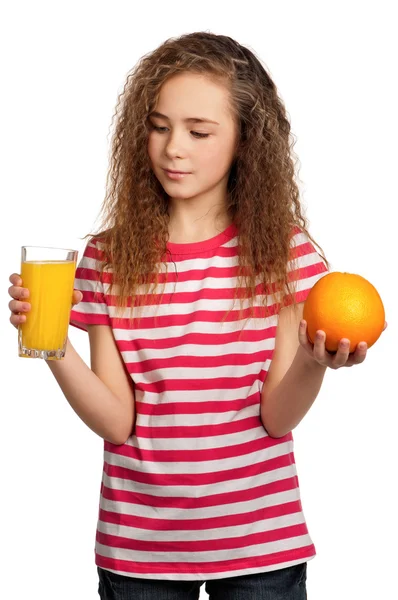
[
  {"x": 178, "y": 191},
  {"x": 180, "y": 196}
]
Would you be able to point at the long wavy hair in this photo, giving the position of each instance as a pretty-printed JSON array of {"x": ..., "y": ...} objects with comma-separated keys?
[{"x": 263, "y": 197}]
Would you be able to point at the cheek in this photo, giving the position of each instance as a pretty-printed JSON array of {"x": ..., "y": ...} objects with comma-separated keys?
[
  {"x": 152, "y": 147},
  {"x": 216, "y": 159}
]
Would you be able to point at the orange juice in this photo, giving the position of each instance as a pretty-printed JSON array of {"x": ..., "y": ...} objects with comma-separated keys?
[{"x": 50, "y": 284}]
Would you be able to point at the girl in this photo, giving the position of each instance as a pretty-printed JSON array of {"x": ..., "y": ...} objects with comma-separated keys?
[{"x": 195, "y": 394}]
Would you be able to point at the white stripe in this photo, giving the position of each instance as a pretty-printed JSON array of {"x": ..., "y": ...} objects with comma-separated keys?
[
  {"x": 171, "y": 287},
  {"x": 299, "y": 238},
  {"x": 201, "y": 396},
  {"x": 232, "y": 242},
  {"x": 185, "y": 420},
  {"x": 182, "y": 420},
  {"x": 207, "y": 305},
  {"x": 175, "y": 331},
  {"x": 91, "y": 308},
  {"x": 206, "y": 466},
  {"x": 198, "y": 350},
  {"x": 304, "y": 261},
  {"x": 188, "y": 264},
  {"x": 228, "y": 242},
  {"x": 189, "y": 491},
  {"x": 158, "y": 512},
  {"x": 207, "y": 373},
  {"x": 197, "y": 535}
]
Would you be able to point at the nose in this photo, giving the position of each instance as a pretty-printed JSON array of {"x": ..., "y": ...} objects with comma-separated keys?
[{"x": 174, "y": 146}]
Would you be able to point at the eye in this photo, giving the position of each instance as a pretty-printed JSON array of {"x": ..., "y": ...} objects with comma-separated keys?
[
  {"x": 159, "y": 129},
  {"x": 194, "y": 133},
  {"x": 200, "y": 135}
]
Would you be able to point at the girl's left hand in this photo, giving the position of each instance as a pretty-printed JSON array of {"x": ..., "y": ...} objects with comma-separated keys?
[{"x": 342, "y": 358}]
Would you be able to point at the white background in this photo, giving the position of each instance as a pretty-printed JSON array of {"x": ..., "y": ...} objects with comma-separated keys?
[{"x": 63, "y": 65}]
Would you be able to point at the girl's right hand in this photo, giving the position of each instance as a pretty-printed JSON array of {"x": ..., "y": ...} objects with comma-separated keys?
[{"x": 20, "y": 305}]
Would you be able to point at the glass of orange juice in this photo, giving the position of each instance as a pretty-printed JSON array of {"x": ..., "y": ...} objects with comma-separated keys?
[{"x": 48, "y": 274}]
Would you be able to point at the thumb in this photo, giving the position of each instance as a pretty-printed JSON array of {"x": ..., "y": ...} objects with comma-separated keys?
[{"x": 77, "y": 297}]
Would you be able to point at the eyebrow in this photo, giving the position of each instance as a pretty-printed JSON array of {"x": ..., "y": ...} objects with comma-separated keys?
[{"x": 189, "y": 120}]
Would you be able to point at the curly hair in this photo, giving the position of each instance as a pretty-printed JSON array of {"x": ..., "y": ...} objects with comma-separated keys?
[{"x": 263, "y": 197}]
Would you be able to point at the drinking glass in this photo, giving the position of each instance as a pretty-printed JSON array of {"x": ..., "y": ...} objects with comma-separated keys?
[{"x": 48, "y": 274}]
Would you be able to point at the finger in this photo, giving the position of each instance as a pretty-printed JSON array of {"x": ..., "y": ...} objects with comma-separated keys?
[
  {"x": 17, "y": 320},
  {"x": 385, "y": 325},
  {"x": 319, "y": 348},
  {"x": 342, "y": 354},
  {"x": 16, "y": 306},
  {"x": 358, "y": 356},
  {"x": 77, "y": 296},
  {"x": 18, "y": 292},
  {"x": 15, "y": 279},
  {"x": 303, "y": 337}
]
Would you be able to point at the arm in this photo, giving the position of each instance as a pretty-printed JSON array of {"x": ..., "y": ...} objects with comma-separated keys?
[
  {"x": 294, "y": 378},
  {"x": 103, "y": 396}
]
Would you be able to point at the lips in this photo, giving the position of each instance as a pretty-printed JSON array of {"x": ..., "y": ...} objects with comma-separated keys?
[
  {"x": 172, "y": 171},
  {"x": 176, "y": 175}
]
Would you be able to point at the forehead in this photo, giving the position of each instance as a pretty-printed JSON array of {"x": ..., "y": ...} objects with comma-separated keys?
[{"x": 189, "y": 95}]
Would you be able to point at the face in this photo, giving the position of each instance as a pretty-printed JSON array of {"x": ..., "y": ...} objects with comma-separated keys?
[{"x": 180, "y": 141}]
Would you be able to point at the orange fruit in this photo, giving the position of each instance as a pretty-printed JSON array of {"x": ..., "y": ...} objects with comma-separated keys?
[{"x": 344, "y": 305}]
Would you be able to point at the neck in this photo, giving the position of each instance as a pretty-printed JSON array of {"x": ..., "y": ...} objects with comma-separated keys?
[{"x": 194, "y": 220}]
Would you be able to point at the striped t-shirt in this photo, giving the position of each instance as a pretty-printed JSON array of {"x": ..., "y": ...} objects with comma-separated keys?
[{"x": 199, "y": 491}]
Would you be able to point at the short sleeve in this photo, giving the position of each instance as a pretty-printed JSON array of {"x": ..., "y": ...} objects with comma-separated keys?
[
  {"x": 305, "y": 266},
  {"x": 92, "y": 309}
]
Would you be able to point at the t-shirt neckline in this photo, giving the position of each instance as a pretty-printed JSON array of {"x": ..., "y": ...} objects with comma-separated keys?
[{"x": 204, "y": 245}]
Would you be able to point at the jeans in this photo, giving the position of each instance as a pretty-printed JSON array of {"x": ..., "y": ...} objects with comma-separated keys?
[{"x": 283, "y": 584}]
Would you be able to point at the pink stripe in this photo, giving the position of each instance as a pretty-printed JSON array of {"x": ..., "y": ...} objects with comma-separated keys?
[
  {"x": 306, "y": 272},
  {"x": 232, "y": 520},
  {"x": 221, "y": 251},
  {"x": 94, "y": 297},
  {"x": 206, "y": 339},
  {"x": 197, "y": 431},
  {"x": 207, "y": 316},
  {"x": 185, "y": 297},
  {"x": 205, "y": 362},
  {"x": 301, "y": 250},
  {"x": 197, "y": 479},
  {"x": 220, "y": 566},
  {"x": 86, "y": 273},
  {"x": 197, "y": 408},
  {"x": 230, "y": 543},
  {"x": 93, "y": 251},
  {"x": 89, "y": 319},
  {"x": 202, "y": 501},
  {"x": 218, "y": 383}
]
